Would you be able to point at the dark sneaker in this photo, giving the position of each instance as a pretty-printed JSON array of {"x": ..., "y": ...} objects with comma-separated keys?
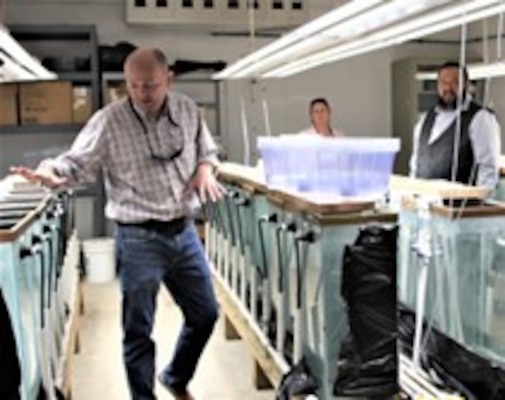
[{"x": 177, "y": 394}]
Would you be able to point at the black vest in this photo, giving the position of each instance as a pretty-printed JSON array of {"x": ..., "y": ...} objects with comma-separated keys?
[{"x": 434, "y": 161}]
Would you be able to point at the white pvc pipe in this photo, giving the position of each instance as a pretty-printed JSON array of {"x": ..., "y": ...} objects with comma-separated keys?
[
  {"x": 243, "y": 278},
  {"x": 253, "y": 294},
  {"x": 281, "y": 328},
  {"x": 266, "y": 305},
  {"x": 420, "y": 304}
]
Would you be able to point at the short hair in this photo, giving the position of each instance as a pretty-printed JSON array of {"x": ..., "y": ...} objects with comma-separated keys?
[
  {"x": 319, "y": 100},
  {"x": 160, "y": 57},
  {"x": 455, "y": 64}
]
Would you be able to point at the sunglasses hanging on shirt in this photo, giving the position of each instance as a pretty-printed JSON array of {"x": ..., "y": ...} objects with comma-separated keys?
[{"x": 163, "y": 146}]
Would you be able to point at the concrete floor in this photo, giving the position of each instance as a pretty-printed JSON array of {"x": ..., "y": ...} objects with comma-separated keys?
[{"x": 224, "y": 372}]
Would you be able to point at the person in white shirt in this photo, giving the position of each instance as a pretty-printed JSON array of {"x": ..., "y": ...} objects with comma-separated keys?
[
  {"x": 320, "y": 118},
  {"x": 436, "y": 133}
]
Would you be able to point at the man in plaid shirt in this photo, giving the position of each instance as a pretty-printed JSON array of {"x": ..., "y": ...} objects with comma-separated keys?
[{"x": 157, "y": 156}]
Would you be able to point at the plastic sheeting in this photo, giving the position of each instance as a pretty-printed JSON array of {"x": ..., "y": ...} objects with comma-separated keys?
[
  {"x": 368, "y": 362},
  {"x": 458, "y": 367}
]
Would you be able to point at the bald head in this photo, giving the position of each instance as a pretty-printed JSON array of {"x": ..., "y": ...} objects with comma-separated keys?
[
  {"x": 148, "y": 78},
  {"x": 146, "y": 58}
]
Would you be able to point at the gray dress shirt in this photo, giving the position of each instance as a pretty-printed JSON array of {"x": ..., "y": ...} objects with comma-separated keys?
[{"x": 147, "y": 162}]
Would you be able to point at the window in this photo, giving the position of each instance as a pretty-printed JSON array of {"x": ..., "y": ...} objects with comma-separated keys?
[
  {"x": 277, "y": 5},
  {"x": 233, "y": 4},
  {"x": 161, "y": 3},
  {"x": 208, "y": 3},
  {"x": 187, "y": 3},
  {"x": 140, "y": 3},
  {"x": 297, "y": 5}
]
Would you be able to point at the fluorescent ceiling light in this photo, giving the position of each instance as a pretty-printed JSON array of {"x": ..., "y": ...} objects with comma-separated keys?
[
  {"x": 426, "y": 76},
  {"x": 12, "y": 71},
  {"x": 436, "y": 21},
  {"x": 377, "y": 25},
  {"x": 299, "y": 37},
  {"x": 475, "y": 71},
  {"x": 483, "y": 71},
  {"x": 14, "y": 56}
]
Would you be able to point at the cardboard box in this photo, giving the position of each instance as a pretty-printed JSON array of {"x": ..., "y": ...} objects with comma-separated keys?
[
  {"x": 8, "y": 104},
  {"x": 115, "y": 92},
  {"x": 82, "y": 108},
  {"x": 45, "y": 103}
]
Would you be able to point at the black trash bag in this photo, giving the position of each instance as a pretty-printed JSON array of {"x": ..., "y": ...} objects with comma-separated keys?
[
  {"x": 298, "y": 381},
  {"x": 406, "y": 328},
  {"x": 10, "y": 373},
  {"x": 368, "y": 362},
  {"x": 471, "y": 375}
]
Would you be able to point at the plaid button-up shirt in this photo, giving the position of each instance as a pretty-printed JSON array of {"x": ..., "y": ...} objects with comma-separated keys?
[{"x": 147, "y": 162}]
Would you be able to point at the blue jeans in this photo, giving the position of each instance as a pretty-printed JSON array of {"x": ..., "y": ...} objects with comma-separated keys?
[{"x": 148, "y": 256}]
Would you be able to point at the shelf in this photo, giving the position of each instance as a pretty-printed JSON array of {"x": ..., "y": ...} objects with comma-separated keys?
[
  {"x": 79, "y": 40},
  {"x": 75, "y": 76},
  {"x": 52, "y": 32},
  {"x": 34, "y": 129}
]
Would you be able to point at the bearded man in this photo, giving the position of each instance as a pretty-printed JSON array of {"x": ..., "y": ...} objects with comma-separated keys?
[{"x": 457, "y": 139}]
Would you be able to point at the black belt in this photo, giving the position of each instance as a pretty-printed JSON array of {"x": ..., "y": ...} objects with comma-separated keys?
[{"x": 173, "y": 226}]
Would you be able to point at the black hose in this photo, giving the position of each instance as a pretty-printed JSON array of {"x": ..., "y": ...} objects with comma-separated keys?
[
  {"x": 271, "y": 218},
  {"x": 263, "y": 251},
  {"x": 47, "y": 231},
  {"x": 308, "y": 237},
  {"x": 278, "y": 231},
  {"x": 230, "y": 219},
  {"x": 241, "y": 203},
  {"x": 37, "y": 241}
]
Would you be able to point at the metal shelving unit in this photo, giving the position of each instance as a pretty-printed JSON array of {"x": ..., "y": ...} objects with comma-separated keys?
[
  {"x": 36, "y": 142},
  {"x": 57, "y": 40}
]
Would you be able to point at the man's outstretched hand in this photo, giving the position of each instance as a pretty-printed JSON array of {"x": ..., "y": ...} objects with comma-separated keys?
[
  {"x": 44, "y": 174},
  {"x": 206, "y": 185}
]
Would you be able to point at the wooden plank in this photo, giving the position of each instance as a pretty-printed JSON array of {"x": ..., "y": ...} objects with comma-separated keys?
[
  {"x": 271, "y": 363},
  {"x": 252, "y": 179},
  {"x": 435, "y": 188},
  {"x": 319, "y": 208},
  {"x": 364, "y": 217},
  {"x": 9, "y": 235},
  {"x": 497, "y": 209}
]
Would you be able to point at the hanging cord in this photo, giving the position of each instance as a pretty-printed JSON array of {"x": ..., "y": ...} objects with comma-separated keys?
[
  {"x": 485, "y": 59},
  {"x": 459, "y": 106},
  {"x": 499, "y": 56},
  {"x": 252, "y": 24},
  {"x": 266, "y": 117},
  {"x": 499, "y": 36},
  {"x": 243, "y": 115},
  {"x": 245, "y": 133}
]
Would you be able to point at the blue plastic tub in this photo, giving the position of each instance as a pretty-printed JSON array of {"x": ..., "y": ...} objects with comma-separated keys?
[{"x": 346, "y": 167}]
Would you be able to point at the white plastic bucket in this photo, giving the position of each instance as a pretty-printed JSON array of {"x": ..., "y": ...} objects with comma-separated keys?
[{"x": 99, "y": 259}]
